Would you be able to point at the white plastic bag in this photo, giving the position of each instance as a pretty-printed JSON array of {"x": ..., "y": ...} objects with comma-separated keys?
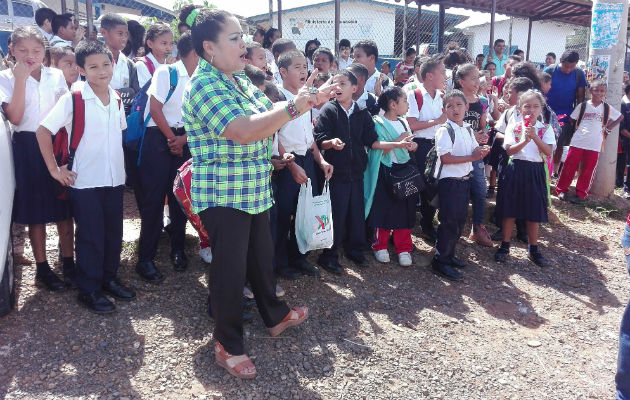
[{"x": 313, "y": 219}]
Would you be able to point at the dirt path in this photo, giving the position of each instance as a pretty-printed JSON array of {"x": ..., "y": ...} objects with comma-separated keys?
[{"x": 509, "y": 331}]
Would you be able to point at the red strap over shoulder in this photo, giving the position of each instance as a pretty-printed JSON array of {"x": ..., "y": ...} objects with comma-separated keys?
[
  {"x": 78, "y": 119},
  {"x": 419, "y": 98},
  {"x": 149, "y": 64}
]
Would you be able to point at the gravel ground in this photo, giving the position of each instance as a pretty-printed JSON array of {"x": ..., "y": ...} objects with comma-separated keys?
[{"x": 509, "y": 331}]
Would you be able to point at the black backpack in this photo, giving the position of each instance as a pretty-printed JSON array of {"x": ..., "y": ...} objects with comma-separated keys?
[{"x": 432, "y": 157}]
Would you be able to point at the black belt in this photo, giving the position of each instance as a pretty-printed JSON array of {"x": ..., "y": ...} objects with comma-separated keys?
[
  {"x": 179, "y": 131},
  {"x": 421, "y": 138},
  {"x": 309, "y": 151},
  {"x": 461, "y": 178}
]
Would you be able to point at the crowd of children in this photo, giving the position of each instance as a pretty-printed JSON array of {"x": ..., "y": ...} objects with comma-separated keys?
[{"x": 487, "y": 134}]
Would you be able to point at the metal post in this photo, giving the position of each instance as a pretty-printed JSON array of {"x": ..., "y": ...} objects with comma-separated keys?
[
  {"x": 76, "y": 9},
  {"x": 493, "y": 10},
  {"x": 418, "y": 29},
  {"x": 604, "y": 182},
  {"x": 270, "y": 13},
  {"x": 529, "y": 38},
  {"x": 280, "y": 16},
  {"x": 89, "y": 14},
  {"x": 337, "y": 24},
  {"x": 404, "y": 42},
  {"x": 509, "y": 48},
  {"x": 64, "y": 7},
  {"x": 440, "y": 38}
]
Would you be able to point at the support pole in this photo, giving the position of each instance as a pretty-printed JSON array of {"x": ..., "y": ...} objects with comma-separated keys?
[
  {"x": 280, "y": 17},
  {"x": 509, "y": 46},
  {"x": 64, "y": 7},
  {"x": 529, "y": 38},
  {"x": 89, "y": 15},
  {"x": 404, "y": 42},
  {"x": 76, "y": 9},
  {"x": 440, "y": 41},
  {"x": 604, "y": 182},
  {"x": 493, "y": 11},
  {"x": 337, "y": 24},
  {"x": 418, "y": 28},
  {"x": 270, "y": 13}
]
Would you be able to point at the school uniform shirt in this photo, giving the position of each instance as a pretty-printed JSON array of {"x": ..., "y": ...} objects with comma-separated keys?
[
  {"x": 40, "y": 97},
  {"x": 269, "y": 57},
  {"x": 121, "y": 77},
  {"x": 589, "y": 135},
  {"x": 343, "y": 64},
  {"x": 99, "y": 160},
  {"x": 297, "y": 135},
  {"x": 159, "y": 88},
  {"x": 56, "y": 41},
  {"x": 530, "y": 152},
  {"x": 463, "y": 145},
  {"x": 431, "y": 109},
  {"x": 503, "y": 123},
  {"x": 371, "y": 81},
  {"x": 275, "y": 71},
  {"x": 47, "y": 36},
  {"x": 143, "y": 71}
]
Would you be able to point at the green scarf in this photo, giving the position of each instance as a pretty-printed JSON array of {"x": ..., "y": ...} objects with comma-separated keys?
[{"x": 386, "y": 133}]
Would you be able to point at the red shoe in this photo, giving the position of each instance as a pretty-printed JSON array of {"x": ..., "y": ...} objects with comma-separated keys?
[
  {"x": 295, "y": 317},
  {"x": 238, "y": 366}
]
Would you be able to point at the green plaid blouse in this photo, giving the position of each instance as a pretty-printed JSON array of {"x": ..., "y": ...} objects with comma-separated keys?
[{"x": 225, "y": 173}]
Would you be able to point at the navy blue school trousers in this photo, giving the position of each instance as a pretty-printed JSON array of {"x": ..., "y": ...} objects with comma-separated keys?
[
  {"x": 286, "y": 204},
  {"x": 348, "y": 212},
  {"x": 98, "y": 215},
  {"x": 154, "y": 182},
  {"x": 454, "y": 196},
  {"x": 427, "y": 212}
]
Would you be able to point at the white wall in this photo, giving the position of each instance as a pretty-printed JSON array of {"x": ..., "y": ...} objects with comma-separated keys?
[
  {"x": 546, "y": 37},
  {"x": 359, "y": 21}
]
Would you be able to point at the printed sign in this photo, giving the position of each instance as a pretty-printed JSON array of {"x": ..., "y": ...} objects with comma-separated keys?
[
  {"x": 597, "y": 68},
  {"x": 605, "y": 25}
]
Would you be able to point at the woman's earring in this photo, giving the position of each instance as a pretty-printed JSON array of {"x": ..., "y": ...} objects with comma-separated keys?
[{"x": 211, "y": 59}]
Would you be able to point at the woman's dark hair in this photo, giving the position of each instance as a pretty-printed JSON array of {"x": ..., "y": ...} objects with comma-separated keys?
[
  {"x": 267, "y": 41},
  {"x": 351, "y": 77},
  {"x": 453, "y": 58},
  {"x": 326, "y": 51},
  {"x": 410, "y": 51},
  {"x": 155, "y": 31},
  {"x": 86, "y": 48},
  {"x": 527, "y": 70},
  {"x": 488, "y": 64},
  {"x": 391, "y": 93},
  {"x": 208, "y": 25},
  {"x": 570, "y": 56},
  {"x": 136, "y": 35},
  {"x": 462, "y": 72},
  {"x": 309, "y": 53},
  {"x": 455, "y": 93},
  {"x": 185, "y": 45},
  {"x": 184, "y": 12}
]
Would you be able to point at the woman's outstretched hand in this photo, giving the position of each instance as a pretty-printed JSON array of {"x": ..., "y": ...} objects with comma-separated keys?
[{"x": 305, "y": 100}]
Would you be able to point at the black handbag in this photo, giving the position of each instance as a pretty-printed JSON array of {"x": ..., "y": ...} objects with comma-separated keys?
[{"x": 405, "y": 180}]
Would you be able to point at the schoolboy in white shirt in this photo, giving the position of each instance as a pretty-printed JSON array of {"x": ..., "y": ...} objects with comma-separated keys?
[
  {"x": 454, "y": 169},
  {"x": 97, "y": 177}
]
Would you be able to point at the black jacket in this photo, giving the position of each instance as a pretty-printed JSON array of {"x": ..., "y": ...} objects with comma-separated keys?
[{"x": 357, "y": 133}]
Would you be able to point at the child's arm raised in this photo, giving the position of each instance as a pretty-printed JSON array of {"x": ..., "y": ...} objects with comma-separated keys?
[{"x": 544, "y": 148}]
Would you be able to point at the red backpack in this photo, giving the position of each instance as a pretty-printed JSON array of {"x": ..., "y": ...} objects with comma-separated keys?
[{"x": 147, "y": 61}]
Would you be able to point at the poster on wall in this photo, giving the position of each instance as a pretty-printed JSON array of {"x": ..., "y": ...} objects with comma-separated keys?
[
  {"x": 605, "y": 25},
  {"x": 597, "y": 68}
]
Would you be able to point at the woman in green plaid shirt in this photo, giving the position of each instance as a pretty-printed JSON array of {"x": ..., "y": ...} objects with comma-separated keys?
[{"x": 230, "y": 126}]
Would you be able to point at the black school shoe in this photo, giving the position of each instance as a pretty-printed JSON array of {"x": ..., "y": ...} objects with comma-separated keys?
[
  {"x": 446, "y": 271},
  {"x": 501, "y": 255},
  {"x": 538, "y": 259},
  {"x": 148, "y": 271},
  {"x": 45, "y": 277},
  {"x": 359, "y": 260},
  {"x": 179, "y": 260},
  {"x": 97, "y": 302},
  {"x": 116, "y": 289},
  {"x": 457, "y": 263},
  {"x": 289, "y": 273},
  {"x": 306, "y": 268},
  {"x": 331, "y": 266}
]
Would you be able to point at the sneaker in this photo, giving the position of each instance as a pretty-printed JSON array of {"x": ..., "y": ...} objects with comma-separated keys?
[
  {"x": 490, "y": 192},
  {"x": 206, "y": 254},
  {"x": 382, "y": 256},
  {"x": 404, "y": 259},
  {"x": 279, "y": 291},
  {"x": 481, "y": 237}
]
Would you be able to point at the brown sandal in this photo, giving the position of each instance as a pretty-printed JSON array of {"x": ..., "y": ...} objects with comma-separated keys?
[
  {"x": 224, "y": 359},
  {"x": 296, "y": 316}
]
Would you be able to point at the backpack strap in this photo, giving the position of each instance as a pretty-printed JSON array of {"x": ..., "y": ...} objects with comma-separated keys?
[
  {"x": 150, "y": 66},
  {"x": 78, "y": 125},
  {"x": 581, "y": 114},
  {"x": 419, "y": 98},
  {"x": 606, "y": 114},
  {"x": 451, "y": 134},
  {"x": 172, "y": 70}
]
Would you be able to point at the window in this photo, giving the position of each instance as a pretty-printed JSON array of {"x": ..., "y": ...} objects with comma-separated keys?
[
  {"x": 22, "y": 10},
  {"x": 4, "y": 7}
]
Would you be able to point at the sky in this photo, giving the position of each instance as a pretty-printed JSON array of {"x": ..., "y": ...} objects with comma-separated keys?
[{"x": 248, "y": 8}]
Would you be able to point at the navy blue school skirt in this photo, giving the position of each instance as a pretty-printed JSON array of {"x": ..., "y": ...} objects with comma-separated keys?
[
  {"x": 389, "y": 212},
  {"x": 525, "y": 191},
  {"x": 36, "y": 191}
]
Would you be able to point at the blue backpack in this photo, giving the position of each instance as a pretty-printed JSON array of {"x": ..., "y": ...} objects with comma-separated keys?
[{"x": 136, "y": 123}]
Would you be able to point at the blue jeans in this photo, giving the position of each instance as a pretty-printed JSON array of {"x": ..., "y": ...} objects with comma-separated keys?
[
  {"x": 622, "y": 378},
  {"x": 478, "y": 192}
]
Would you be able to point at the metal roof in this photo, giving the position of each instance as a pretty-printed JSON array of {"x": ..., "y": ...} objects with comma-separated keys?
[{"x": 571, "y": 11}]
